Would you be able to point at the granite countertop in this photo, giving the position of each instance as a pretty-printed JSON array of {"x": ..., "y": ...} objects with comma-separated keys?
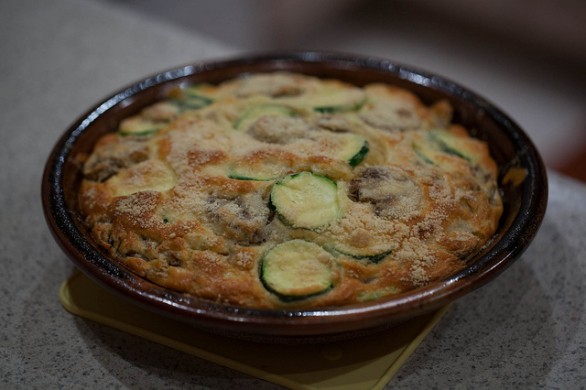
[{"x": 526, "y": 329}]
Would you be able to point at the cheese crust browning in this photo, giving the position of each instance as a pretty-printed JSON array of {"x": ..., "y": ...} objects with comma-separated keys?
[{"x": 284, "y": 190}]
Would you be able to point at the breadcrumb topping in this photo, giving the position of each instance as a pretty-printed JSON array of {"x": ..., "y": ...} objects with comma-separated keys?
[{"x": 181, "y": 192}]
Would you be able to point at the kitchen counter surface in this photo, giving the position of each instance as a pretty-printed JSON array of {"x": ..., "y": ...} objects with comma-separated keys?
[{"x": 526, "y": 329}]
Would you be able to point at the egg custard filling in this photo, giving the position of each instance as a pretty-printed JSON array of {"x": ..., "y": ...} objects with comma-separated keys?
[{"x": 282, "y": 190}]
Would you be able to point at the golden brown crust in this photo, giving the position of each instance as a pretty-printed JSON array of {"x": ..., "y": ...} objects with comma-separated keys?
[{"x": 185, "y": 202}]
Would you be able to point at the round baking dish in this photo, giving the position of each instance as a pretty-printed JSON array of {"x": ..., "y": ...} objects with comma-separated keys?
[{"x": 522, "y": 182}]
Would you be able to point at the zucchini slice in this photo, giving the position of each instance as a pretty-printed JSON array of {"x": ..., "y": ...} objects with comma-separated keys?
[
  {"x": 256, "y": 112},
  {"x": 447, "y": 143},
  {"x": 259, "y": 165},
  {"x": 338, "y": 100},
  {"x": 139, "y": 126},
  {"x": 160, "y": 178},
  {"x": 370, "y": 255},
  {"x": 440, "y": 143},
  {"x": 297, "y": 269},
  {"x": 265, "y": 171},
  {"x": 353, "y": 148},
  {"x": 191, "y": 99},
  {"x": 305, "y": 200},
  {"x": 383, "y": 292},
  {"x": 422, "y": 153}
]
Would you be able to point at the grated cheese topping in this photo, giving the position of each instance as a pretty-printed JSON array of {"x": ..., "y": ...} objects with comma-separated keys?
[{"x": 180, "y": 193}]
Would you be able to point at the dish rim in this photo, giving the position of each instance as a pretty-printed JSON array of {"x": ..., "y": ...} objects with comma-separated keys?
[{"x": 293, "y": 322}]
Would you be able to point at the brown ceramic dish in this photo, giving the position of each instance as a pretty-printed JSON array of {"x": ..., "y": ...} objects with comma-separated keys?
[{"x": 524, "y": 196}]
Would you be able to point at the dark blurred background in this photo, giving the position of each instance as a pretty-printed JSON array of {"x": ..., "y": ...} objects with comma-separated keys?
[{"x": 527, "y": 56}]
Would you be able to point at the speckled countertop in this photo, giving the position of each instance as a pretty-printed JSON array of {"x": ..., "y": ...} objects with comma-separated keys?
[{"x": 526, "y": 329}]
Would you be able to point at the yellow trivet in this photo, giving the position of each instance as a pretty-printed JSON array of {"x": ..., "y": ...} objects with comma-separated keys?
[{"x": 364, "y": 363}]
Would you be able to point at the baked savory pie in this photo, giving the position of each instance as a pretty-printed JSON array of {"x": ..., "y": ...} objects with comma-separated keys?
[{"x": 283, "y": 190}]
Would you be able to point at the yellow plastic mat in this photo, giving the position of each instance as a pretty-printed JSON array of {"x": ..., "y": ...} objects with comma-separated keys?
[{"x": 364, "y": 363}]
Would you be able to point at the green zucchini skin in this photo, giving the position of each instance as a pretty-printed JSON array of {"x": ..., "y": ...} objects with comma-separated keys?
[
  {"x": 266, "y": 172},
  {"x": 339, "y": 101},
  {"x": 374, "y": 258},
  {"x": 239, "y": 176},
  {"x": 291, "y": 298},
  {"x": 193, "y": 102},
  {"x": 256, "y": 112},
  {"x": 334, "y": 109},
  {"x": 191, "y": 99},
  {"x": 143, "y": 133},
  {"x": 306, "y": 200},
  {"x": 295, "y": 270},
  {"x": 352, "y": 148},
  {"x": 439, "y": 143},
  {"x": 188, "y": 100},
  {"x": 442, "y": 141},
  {"x": 360, "y": 155},
  {"x": 140, "y": 128},
  {"x": 422, "y": 155}
]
